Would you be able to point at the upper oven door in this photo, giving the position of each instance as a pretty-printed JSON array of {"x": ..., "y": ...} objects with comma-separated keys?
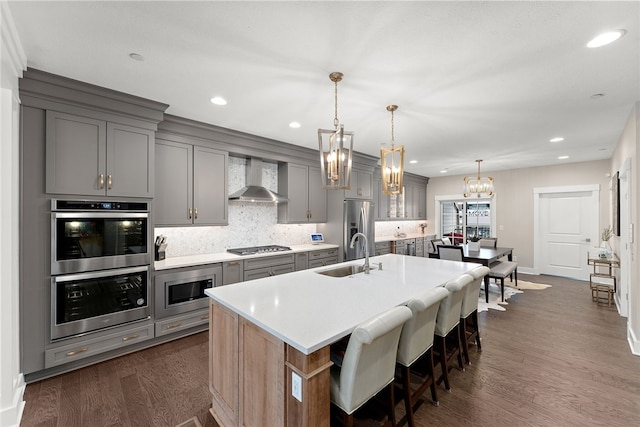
[{"x": 85, "y": 241}]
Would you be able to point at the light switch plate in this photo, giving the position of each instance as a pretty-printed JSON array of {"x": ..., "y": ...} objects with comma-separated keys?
[{"x": 296, "y": 386}]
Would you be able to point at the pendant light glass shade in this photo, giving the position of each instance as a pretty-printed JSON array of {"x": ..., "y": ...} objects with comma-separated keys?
[
  {"x": 336, "y": 148},
  {"x": 478, "y": 186},
  {"x": 392, "y": 162}
]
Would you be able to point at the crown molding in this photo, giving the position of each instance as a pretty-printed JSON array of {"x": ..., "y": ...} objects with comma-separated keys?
[{"x": 14, "y": 60}]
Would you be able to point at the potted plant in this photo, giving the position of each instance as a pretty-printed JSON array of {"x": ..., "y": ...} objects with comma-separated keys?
[
  {"x": 473, "y": 243},
  {"x": 607, "y": 233}
]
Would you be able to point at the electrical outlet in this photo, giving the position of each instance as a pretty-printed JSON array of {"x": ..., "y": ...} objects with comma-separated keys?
[{"x": 296, "y": 386}]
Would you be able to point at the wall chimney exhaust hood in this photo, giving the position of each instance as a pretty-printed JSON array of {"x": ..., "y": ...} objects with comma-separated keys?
[{"x": 254, "y": 191}]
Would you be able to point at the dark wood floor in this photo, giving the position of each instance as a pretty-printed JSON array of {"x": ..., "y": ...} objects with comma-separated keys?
[{"x": 553, "y": 358}]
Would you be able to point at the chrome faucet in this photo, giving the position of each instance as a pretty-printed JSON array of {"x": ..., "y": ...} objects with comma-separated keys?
[{"x": 365, "y": 267}]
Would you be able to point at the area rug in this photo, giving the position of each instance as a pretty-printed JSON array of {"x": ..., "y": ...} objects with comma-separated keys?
[{"x": 495, "y": 302}]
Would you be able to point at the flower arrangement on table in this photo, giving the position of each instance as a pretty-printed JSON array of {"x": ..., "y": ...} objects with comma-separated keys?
[
  {"x": 605, "y": 247},
  {"x": 607, "y": 234},
  {"x": 422, "y": 226}
]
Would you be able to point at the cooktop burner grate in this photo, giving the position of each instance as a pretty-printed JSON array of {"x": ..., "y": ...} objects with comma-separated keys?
[{"x": 258, "y": 250}]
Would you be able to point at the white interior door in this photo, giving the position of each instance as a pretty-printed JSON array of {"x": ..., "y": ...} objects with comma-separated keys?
[{"x": 567, "y": 227}]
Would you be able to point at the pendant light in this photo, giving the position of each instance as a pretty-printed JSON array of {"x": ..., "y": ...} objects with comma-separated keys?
[
  {"x": 336, "y": 147},
  {"x": 392, "y": 162},
  {"x": 477, "y": 186}
]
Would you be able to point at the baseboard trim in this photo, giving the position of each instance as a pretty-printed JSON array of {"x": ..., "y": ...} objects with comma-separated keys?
[
  {"x": 634, "y": 344},
  {"x": 12, "y": 415}
]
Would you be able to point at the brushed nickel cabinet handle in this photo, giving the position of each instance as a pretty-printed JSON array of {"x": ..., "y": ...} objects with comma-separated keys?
[
  {"x": 205, "y": 317},
  {"x": 174, "y": 325},
  {"x": 233, "y": 263},
  {"x": 195, "y": 211},
  {"x": 74, "y": 352},
  {"x": 131, "y": 337},
  {"x": 190, "y": 214},
  {"x": 109, "y": 182},
  {"x": 101, "y": 186}
]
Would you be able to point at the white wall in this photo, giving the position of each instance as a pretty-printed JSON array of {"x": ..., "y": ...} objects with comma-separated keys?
[
  {"x": 11, "y": 380},
  {"x": 627, "y": 149}
]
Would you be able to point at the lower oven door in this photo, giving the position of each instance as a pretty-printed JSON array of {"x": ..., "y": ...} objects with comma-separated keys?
[
  {"x": 183, "y": 291},
  {"x": 87, "y": 302}
]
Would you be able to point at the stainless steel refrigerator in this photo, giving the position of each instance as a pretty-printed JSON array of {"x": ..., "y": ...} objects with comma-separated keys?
[{"x": 358, "y": 218}]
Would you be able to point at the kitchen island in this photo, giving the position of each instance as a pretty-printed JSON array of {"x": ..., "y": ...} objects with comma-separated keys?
[{"x": 269, "y": 338}]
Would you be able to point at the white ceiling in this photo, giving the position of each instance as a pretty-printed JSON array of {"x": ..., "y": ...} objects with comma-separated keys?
[{"x": 473, "y": 80}]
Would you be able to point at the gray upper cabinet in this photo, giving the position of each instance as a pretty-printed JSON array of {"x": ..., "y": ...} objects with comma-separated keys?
[
  {"x": 92, "y": 157},
  {"x": 191, "y": 185},
  {"x": 361, "y": 185},
  {"x": 415, "y": 201},
  {"x": 307, "y": 199}
]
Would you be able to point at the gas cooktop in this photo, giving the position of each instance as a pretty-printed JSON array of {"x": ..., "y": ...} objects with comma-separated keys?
[{"x": 258, "y": 250}]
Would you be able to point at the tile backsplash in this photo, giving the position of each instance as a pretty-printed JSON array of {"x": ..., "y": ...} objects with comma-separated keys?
[
  {"x": 253, "y": 224},
  {"x": 250, "y": 224}
]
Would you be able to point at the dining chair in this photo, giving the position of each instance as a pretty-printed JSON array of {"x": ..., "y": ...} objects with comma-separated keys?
[
  {"x": 369, "y": 362},
  {"x": 447, "y": 324},
  {"x": 450, "y": 252},
  {"x": 446, "y": 240},
  {"x": 416, "y": 345},
  {"x": 435, "y": 243},
  {"x": 488, "y": 242},
  {"x": 469, "y": 328}
]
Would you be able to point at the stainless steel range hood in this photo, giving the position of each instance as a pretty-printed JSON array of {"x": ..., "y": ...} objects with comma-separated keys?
[{"x": 254, "y": 191}]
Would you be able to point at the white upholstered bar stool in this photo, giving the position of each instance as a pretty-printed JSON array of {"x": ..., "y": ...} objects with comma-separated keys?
[
  {"x": 416, "y": 343},
  {"x": 369, "y": 362},
  {"x": 447, "y": 324},
  {"x": 469, "y": 328}
]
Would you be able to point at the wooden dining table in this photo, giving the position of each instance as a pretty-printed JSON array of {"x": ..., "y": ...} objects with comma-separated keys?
[{"x": 486, "y": 256}]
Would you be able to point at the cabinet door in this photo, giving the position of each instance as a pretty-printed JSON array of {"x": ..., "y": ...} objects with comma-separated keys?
[
  {"x": 231, "y": 272},
  {"x": 298, "y": 193},
  {"x": 173, "y": 177},
  {"x": 317, "y": 197},
  {"x": 361, "y": 185},
  {"x": 210, "y": 192},
  {"x": 76, "y": 155},
  {"x": 302, "y": 261},
  {"x": 420, "y": 202},
  {"x": 130, "y": 160}
]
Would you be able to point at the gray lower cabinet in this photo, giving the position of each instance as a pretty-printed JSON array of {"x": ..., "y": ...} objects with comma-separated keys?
[
  {"x": 420, "y": 246},
  {"x": 383, "y": 248},
  {"x": 323, "y": 257},
  {"x": 185, "y": 321},
  {"x": 258, "y": 268},
  {"x": 307, "y": 199},
  {"x": 90, "y": 347},
  {"x": 302, "y": 261},
  {"x": 232, "y": 272},
  {"x": 191, "y": 185},
  {"x": 361, "y": 185},
  {"x": 90, "y": 157}
]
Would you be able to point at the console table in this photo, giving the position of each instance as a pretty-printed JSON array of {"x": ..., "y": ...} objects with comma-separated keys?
[{"x": 603, "y": 269}]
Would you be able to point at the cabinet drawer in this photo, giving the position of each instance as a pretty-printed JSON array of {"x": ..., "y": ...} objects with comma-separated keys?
[
  {"x": 178, "y": 323},
  {"x": 90, "y": 347},
  {"x": 274, "y": 270},
  {"x": 322, "y": 262},
  {"x": 250, "y": 264},
  {"x": 325, "y": 253}
]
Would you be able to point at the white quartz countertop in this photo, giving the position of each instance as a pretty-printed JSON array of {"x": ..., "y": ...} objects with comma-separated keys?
[
  {"x": 308, "y": 310},
  {"x": 393, "y": 238},
  {"x": 191, "y": 260}
]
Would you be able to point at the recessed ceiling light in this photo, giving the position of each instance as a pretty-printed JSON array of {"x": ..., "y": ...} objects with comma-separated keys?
[
  {"x": 218, "y": 100},
  {"x": 556, "y": 139},
  {"x": 136, "y": 56},
  {"x": 443, "y": 171},
  {"x": 413, "y": 162},
  {"x": 563, "y": 157},
  {"x": 606, "y": 38},
  {"x": 294, "y": 125}
]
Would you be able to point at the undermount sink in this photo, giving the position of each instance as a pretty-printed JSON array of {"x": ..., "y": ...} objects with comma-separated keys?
[{"x": 344, "y": 271}]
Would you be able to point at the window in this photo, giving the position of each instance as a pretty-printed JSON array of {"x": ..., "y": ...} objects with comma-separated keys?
[{"x": 462, "y": 219}]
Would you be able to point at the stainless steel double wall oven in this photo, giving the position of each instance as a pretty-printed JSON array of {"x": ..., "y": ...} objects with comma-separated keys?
[{"x": 100, "y": 258}]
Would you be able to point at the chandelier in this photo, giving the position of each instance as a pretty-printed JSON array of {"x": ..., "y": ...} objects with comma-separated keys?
[
  {"x": 336, "y": 147},
  {"x": 392, "y": 162},
  {"x": 478, "y": 185}
]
